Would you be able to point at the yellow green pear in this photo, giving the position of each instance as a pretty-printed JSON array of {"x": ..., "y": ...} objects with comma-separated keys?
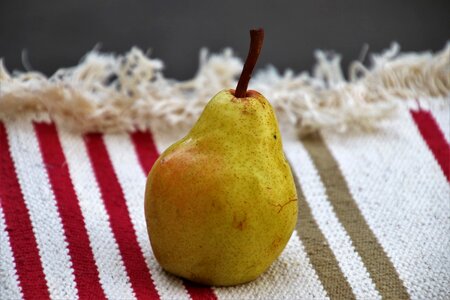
[{"x": 221, "y": 203}]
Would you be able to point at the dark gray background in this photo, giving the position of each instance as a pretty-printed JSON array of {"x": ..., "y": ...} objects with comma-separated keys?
[{"x": 59, "y": 33}]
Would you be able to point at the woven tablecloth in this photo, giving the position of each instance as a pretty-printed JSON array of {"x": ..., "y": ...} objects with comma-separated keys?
[
  {"x": 373, "y": 222},
  {"x": 373, "y": 215}
]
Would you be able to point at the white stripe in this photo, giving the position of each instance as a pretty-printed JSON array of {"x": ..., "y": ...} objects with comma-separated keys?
[
  {"x": 441, "y": 112},
  {"x": 291, "y": 276},
  {"x": 164, "y": 137},
  {"x": 9, "y": 281},
  {"x": 112, "y": 273},
  {"x": 132, "y": 179},
  {"x": 404, "y": 198},
  {"x": 340, "y": 243},
  {"x": 41, "y": 204}
]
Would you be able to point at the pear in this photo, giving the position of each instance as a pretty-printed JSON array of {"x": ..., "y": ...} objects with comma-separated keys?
[{"x": 221, "y": 203}]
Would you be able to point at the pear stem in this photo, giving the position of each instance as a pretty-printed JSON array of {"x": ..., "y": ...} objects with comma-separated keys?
[{"x": 256, "y": 42}]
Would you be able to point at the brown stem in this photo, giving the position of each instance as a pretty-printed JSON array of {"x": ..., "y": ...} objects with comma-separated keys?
[{"x": 256, "y": 42}]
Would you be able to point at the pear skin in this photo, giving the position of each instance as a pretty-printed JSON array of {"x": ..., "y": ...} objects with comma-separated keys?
[{"x": 221, "y": 203}]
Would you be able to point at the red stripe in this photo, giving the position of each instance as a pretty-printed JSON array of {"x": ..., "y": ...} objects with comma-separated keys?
[
  {"x": 434, "y": 138},
  {"x": 18, "y": 224},
  {"x": 85, "y": 270},
  {"x": 145, "y": 148},
  {"x": 199, "y": 292},
  {"x": 147, "y": 155},
  {"x": 121, "y": 225}
]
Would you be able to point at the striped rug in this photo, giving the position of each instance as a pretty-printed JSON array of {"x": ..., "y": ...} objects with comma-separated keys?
[{"x": 373, "y": 222}]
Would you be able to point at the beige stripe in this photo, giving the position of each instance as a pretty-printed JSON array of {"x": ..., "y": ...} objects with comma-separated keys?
[
  {"x": 319, "y": 252},
  {"x": 382, "y": 271}
]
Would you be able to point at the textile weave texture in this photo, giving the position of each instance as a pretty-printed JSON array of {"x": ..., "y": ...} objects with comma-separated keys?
[{"x": 373, "y": 222}]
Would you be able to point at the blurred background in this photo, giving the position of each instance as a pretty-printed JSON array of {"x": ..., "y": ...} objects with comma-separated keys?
[{"x": 57, "y": 34}]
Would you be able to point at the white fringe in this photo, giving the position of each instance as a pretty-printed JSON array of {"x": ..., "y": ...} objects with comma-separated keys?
[{"x": 109, "y": 93}]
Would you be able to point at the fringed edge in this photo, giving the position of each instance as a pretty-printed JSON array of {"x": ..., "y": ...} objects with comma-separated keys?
[{"x": 108, "y": 93}]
